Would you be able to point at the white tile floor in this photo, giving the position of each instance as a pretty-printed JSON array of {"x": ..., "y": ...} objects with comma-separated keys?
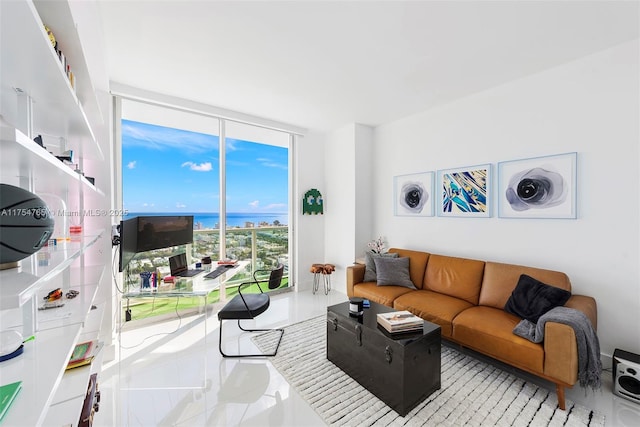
[{"x": 168, "y": 374}]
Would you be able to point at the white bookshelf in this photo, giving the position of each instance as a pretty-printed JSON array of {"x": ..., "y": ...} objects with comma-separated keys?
[
  {"x": 21, "y": 155},
  {"x": 20, "y": 285},
  {"x": 70, "y": 395},
  {"x": 37, "y": 98},
  {"x": 33, "y": 67},
  {"x": 40, "y": 369}
]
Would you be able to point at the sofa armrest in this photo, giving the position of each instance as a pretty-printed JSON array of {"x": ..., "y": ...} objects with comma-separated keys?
[
  {"x": 587, "y": 305},
  {"x": 355, "y": 275},
  {"x": 560, "y": 353},
  {"x": 560, "y": 347}
]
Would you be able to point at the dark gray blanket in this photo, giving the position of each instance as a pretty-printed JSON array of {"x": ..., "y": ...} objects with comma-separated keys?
[{"x": 589, "y": 363}]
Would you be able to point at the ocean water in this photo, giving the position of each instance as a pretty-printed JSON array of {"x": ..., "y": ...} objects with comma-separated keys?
[{"x": 210, "y": 220}]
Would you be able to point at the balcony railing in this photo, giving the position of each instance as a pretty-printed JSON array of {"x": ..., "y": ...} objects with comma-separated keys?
[{"x": 264, "y": 247}]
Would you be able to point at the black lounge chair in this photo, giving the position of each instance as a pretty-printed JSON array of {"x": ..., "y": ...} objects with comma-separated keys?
[{"x": 249, "y": 306}]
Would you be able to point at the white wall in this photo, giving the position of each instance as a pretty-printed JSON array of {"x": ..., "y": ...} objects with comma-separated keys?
[
  {"x": 348, "y": 199},
  {"x": 364, "y": 191},
  {"x": 590, "y": 106},
  {"x": 340, "y": 207},
  {"x": 309, "y": 229}
]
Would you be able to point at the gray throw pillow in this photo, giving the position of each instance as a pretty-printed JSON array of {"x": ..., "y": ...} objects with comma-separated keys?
[
  {"x": 393, "y": 271},
  {"x": 370, "y": 266}
]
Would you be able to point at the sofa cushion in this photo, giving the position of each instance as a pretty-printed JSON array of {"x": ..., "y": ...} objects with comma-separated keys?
[
  {"x": 432, "y": 306},
  {"x": 381, "y": 294},
  {"x": 456, "y": 277},
  {"x": 501, "y": 279},
  {"x": 393, "y": 271},
  {"x": 490, "y": 331},
  {"x": 531, "y": 298},
  {"x": 370, "y": 265},
  {"x": 417, "y": 263}
]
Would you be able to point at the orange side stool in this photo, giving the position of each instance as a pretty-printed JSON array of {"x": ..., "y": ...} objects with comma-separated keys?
[{"x": 324, "y": 271}]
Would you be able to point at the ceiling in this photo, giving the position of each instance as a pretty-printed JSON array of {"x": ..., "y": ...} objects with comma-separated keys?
[{"x": 322, "y": 64}]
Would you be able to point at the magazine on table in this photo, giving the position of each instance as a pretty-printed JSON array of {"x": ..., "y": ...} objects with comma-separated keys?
[{"x": 400, "y": 321}]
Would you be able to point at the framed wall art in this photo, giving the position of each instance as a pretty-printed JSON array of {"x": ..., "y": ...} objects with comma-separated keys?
[
  {"x": 465, "y": 192},
  {"x": 540, "y": 187},
  {"x": 312, "y": 203},
  {"x": 413, "y": 194}
]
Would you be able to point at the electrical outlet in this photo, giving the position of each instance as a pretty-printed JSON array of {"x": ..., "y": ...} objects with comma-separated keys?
[{"x": 115, "y": 235}]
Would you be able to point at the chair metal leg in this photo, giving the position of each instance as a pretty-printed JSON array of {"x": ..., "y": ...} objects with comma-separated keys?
[
  {"x": 327, "y": 283},
  {"x": 250, "y": 330},
  {"x": 316, "y": 282}
]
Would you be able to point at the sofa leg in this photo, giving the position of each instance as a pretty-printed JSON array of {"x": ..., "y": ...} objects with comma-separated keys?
[{"x": 560, "y": 393}]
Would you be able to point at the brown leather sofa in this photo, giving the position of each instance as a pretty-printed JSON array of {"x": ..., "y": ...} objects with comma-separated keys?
[{"x": 466, "y": 297}]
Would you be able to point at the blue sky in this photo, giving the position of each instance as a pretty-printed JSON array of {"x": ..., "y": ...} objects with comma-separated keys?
[{"x": 171, "y": 170}]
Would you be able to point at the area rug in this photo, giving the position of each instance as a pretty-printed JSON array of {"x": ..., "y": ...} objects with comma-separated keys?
[{"x": 473, "y": 392}]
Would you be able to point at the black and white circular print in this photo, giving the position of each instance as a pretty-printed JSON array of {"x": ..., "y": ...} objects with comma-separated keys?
[
  {"x": 414, "y": 194},
  {"x": 542, "y": 187}
]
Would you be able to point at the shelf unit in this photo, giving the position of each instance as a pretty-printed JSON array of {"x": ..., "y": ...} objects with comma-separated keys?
[
  {"x": 34, "y": 70},
  {"x": 41, "y": 367},
  {"x": 37, "y": 98},
  {"x": 64, "y": 406},
  {"x": 21, "y": 155},
  {"x": 20, "y": 285}
]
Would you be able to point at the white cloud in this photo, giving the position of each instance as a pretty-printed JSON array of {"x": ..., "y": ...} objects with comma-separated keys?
[
  {"x": 231, "y": 144},
  {"x": 254, "y": 204},
  {"x": 180, "y": 205},
  {"x": 276, "y": 206},
  {"x": 131, "y": 165},
  {"x": 159, "y": 138},
  {"x": 270, "y": 163},
  {"x": 202, "y": 167}
]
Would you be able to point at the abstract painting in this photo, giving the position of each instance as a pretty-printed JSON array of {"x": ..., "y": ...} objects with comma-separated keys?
[
  {"x": 540, "y": 187},
  {"x": 465, "y": 192},
  {"x": 413, "y": 194}
]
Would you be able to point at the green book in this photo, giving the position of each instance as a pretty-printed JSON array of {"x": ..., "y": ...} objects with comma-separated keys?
[
  {"x": 8, "y": 393},
  {"x": 81, "y": 351}
]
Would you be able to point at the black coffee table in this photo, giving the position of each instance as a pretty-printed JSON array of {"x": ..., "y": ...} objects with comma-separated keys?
[{"x": 401, "y": 370}]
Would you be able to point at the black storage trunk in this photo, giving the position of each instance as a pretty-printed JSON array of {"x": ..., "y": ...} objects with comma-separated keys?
[{"x": 401, "y": 370}]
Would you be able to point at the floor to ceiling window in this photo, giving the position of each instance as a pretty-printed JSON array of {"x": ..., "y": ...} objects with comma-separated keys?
[
  {"x": 232, "y": 177},
  {"x": 256, "y": 172}
]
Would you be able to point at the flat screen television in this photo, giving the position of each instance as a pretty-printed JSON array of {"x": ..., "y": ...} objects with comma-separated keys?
[{"x": 146, "y": 233}]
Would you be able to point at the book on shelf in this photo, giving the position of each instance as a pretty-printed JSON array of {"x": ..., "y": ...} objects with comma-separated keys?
[
  {"x": 400, "y": 321},
  {"x": 83, "y": 354},
  {"x": 8, "y": 393}
]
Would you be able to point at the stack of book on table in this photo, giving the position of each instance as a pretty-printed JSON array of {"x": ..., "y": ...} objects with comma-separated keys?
[{"x": 400, "y": 321}]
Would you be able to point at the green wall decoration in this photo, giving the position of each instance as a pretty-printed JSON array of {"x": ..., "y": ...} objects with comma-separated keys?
[{"x": 312, "y": 204}]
